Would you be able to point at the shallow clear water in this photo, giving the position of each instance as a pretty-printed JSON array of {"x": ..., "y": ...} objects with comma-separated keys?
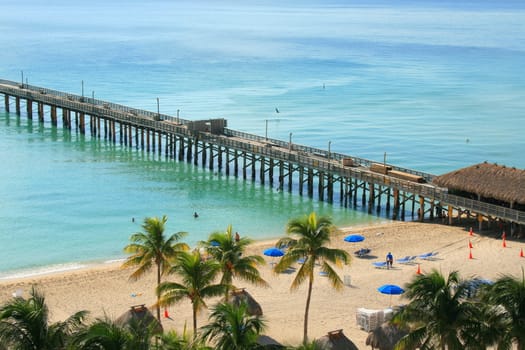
[{"x": 436, "y": 85}]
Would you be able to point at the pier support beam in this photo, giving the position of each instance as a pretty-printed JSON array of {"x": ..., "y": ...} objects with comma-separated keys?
[
  {"x": 40, "y": 112},
  {"x": 310, "y": 182},
  {"x": 29, "y": 109},
  {"x": 290, "y": 176},
  {"x": 421, "y": 211},
  {"x": 54, "y": 120}
]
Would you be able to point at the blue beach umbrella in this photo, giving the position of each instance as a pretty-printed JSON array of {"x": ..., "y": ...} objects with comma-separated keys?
[
  {"x": 214, "y": 244},
  {"x": 391, "y": 289},
  {"x": 354, "y": 238},
  {"x": 273, "y": 252}
]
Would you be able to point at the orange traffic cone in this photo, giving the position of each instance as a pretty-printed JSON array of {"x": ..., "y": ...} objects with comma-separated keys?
[
  {"x": 470, "y": 255},
  {"x": 504, "y": 243},
  {"x": 521, "y": 253},
  {"x": 470, "y": 232},
  {"x": 418, "y": 272},
  {"x": 470, "y": 244},
  {"x": 166, "y": 315}
]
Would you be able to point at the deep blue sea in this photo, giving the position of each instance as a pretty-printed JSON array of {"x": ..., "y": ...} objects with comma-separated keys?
[{"x": 436, "y": 85}]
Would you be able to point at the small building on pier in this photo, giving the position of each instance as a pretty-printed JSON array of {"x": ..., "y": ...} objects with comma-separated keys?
[{"x": 493, "y": 184}]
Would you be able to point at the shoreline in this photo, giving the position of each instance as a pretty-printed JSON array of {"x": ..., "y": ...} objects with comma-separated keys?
[
  {"x": 79, "y": 266},
  {"x": 106, "y": 289}
]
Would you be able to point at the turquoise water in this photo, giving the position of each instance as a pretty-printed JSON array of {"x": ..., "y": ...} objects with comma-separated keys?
[{"x": 436, "y": 85}]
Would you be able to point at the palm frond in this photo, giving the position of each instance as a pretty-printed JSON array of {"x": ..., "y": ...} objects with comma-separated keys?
[{"x": 304, "y": 273}]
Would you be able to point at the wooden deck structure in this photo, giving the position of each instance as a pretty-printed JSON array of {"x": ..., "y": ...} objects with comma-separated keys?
[{"x": 318, "y": 173}]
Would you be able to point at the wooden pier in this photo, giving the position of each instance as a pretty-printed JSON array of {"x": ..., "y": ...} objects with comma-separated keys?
[{"x": 327, "y": 176}]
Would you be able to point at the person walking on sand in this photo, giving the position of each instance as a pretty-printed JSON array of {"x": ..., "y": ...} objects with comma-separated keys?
[{"x": 389, "y": 260}]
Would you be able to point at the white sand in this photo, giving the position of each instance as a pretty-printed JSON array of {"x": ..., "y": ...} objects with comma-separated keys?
[{"x": 106, "y": 289}]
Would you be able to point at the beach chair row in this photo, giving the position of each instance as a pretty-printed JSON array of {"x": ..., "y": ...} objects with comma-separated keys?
[{"x": 407, "y": 259}]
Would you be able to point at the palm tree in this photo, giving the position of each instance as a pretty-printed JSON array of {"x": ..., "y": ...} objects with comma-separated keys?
[
  {"x": 488, "y": 327},
  {"x": 197, "y": 277},
  {"x": 24, "y": 324},
  {"x": 106, "y": 334},
  {"x": 312, "y": 244},
  {"x": 232, "y": 328},
  {"x": 174, "y": 341},
  {"x": 229, "y": 252},
  {"x": 438, "y": 315},
  {"x": 151, "y": 247},
  {"x": 507, "y": 295},
  {"x": 103, "y": 333}
]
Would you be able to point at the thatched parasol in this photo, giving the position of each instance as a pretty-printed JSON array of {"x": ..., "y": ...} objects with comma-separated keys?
[
  {"x": 335, "y": 340},
  {"x": 384, "y": 337},
  {"x": 488, "y": 181},
  {"x": 241, "y": 295},
  {"x": 141, "y": 314},
  {"x": 269, "y": 343}
]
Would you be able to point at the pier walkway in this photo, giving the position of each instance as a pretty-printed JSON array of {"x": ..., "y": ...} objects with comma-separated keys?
[{"x": 322, "y": 174}]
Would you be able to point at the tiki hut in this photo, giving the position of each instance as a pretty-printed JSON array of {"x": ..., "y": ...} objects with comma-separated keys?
[
  {"x": 490, "y": 183},
  {"x": 241, "y": 295},
  {"x": 140, "y": 314},
  {"x": 384, "y": 337},
  {"x": 335, "y": 340}
]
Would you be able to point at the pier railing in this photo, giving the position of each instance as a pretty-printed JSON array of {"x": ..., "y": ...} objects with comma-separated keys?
[
  {"x": 321, "y": 152},
  {"x": 485, "y": 208},
  {"x": 81, "y": 103}
]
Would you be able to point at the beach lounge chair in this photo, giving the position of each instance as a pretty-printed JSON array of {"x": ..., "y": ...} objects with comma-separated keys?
[
  {"x": 362, "y": 252},
  {"x": 404, "y": 260},
  {"x": 407, "y": 259},
  {"x": 379, "y": 264},
  {"x": 428, "y": 256}
]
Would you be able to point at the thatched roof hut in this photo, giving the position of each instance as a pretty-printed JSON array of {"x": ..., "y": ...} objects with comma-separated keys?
[
  {"x": 241, "y": 295},
  {"x": 335, "y": 340},
  {"x": 487, "y": 182},
  {"x": 141, "y": 314},
  {"x": 384, "y": 337}
]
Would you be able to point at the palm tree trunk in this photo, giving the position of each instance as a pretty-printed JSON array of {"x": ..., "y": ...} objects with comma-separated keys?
[
  {"x": 194, "y": 321},
  {"x": 158, "y": 296},
  {"x": 307, "y": 308}
]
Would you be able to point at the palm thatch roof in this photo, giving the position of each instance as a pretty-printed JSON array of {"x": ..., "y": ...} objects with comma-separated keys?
[
  {"x": 142, "y": 315},
  {"x": 241, "y": 295},
  {"x": 487, "y": 180},
  {"x": 335, "y": 340},
  {"x": 384, "y": 337}
]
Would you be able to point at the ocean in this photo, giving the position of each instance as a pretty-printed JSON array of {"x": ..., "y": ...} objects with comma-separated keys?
[{"x": 433, "y": 85}]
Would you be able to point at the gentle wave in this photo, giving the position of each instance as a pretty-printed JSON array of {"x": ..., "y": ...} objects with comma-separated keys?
[{"x": 40, "y": 271}]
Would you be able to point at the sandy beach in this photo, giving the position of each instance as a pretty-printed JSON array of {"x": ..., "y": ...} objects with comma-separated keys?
[{"x": 106, "y": 289}]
